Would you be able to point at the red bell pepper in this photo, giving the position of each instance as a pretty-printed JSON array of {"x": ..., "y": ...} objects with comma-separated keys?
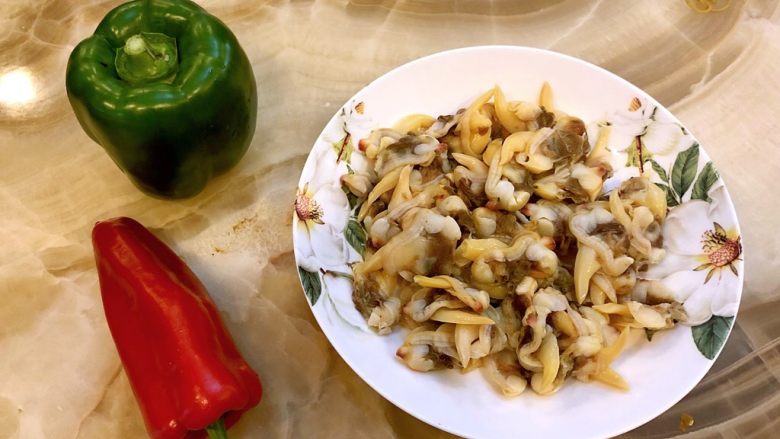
[{"x": 185, "y": 371}]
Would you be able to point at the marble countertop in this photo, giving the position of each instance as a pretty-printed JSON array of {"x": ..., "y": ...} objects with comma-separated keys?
[{"x": 60, "y": 376}]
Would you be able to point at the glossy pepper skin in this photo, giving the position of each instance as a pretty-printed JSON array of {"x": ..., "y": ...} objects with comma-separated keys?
[
  {"x": 172, "y": 134},
  {"x": 182, "y": 364}
]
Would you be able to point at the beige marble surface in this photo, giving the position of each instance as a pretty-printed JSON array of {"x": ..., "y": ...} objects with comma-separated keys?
[{"x": 60, "y": 376}]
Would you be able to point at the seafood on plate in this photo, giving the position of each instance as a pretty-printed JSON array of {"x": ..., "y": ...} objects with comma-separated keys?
[{"x": 490, "y": 237}]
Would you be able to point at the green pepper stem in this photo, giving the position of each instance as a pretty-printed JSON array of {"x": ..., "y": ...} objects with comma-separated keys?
[
  {"x": 217, "y": 430},
  {"x": 147, "y": 57},
  {"x": 136, "y": 45}
]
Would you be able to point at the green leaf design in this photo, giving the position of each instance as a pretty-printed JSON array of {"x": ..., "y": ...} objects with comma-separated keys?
[
  {"x": 711, "y": 335},
  {"x": 659, "y": 170},
  {"x": 354, "y": 200},
  {"x": 632, "y": 155},
  {"x": 684, "y": 169},
  {"x": 671, "y": 199},
  {"x": 356, "y": 236},
  {"x": 312, "y": 286},
  {"x": 344, "y": 148},
  {"x": 707, "y": 177}
]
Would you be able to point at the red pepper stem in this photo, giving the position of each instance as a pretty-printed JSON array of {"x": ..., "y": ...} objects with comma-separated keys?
[{"x": 217, "y": 430}]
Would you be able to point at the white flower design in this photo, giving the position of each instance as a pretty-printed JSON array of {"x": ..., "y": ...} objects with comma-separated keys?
[
  {"x": 357, "y": 122},
  {"x": 658, "y": 134},
  {"x": 321, "y": 213},
  {"x": 338, "y": 301},
  {"x": 703, "y": 258}
]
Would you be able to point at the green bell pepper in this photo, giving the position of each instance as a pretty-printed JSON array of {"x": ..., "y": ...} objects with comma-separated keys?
[{"x": 165, "y": 88}]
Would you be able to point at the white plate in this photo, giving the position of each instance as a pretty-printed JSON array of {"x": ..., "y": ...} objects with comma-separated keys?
[{"x": 660, "y": 372}]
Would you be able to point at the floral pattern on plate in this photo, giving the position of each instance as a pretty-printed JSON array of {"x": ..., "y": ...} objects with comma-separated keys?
[
  {"x": 702, "y": 241},
  {"x": 324, "y": 215}
]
